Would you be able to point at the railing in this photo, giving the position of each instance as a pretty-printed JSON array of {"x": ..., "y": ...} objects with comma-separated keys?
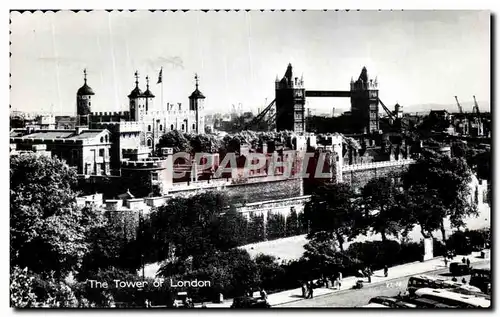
[{"x": 357, "y": 167}]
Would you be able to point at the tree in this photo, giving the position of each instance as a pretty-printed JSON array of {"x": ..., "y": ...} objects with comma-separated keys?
[
  {"x": 270, "y": 272},
  {"x": 333, "y": 208},
  {"x": 440, "y": 183},
  {"x": 21, "y": 288},
  {"x": 176, "y": 140},
  {"x": 229, "y": 230},
  {"x": 256, "y": 229},
  {"x": 292, "y": 223},
  {"x": 275, "y": 226},
  {"x": 322, "y": 256},
  {"x": 116, "y": 243},
  {"x": 186, "y": 225},
  {"x": 48, "y": 231},
  {"x": 382, "y": 201},
  {"x": 205, "y": 143}
]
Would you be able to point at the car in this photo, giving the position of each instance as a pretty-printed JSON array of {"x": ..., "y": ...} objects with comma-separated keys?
[
  {"x": 458, "y": 269},
  {"x": 481, "y": 278},
  {"x": 249, "y": 302},
  {"x": 391, "y": 302}
]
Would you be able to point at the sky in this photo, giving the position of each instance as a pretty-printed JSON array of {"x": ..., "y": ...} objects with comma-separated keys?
[{"x": 419, "y": 57}]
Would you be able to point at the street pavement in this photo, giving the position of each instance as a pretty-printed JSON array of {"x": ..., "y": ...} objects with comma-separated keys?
[
  {"x": 357, "y": 298},
  {"x": 395, "y": 282}
]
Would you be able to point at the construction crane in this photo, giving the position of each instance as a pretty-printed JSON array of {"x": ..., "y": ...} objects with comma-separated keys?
[
  {"x": 459, "y": 106},
  {"x": 260, "y": 117},
  {"x": 412, "y": 133},
  {"x": 475, "y": 109}
]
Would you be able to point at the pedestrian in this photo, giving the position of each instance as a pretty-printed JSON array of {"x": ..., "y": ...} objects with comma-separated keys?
[
  {"x": 311, "y": 290},
  {"x": 386, "y": 270},
  {"x": 445, "y": 262},
  {"x": 464, "y": 281},
  {"x": 360, "y": 273},
  {"x": 468, "y": 262},
  {"x": 454, "y": 279},
  {"x": 340, "y": 279},
  {"x": 463, "y": 260},
  {"x": 325, "y": 281},
  {"x": 263, "y": 294},
  {"x": 303, "y": 287},
  {"x": 333, "y": 279}
]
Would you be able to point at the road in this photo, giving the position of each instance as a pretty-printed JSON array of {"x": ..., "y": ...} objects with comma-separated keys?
[{"x": 356, "y": 298}]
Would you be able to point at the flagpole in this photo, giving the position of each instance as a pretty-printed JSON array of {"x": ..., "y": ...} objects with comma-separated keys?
[{"x": 162, "y": 104}]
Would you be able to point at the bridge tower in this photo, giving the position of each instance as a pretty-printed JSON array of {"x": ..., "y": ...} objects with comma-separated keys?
[
  {"x": 364, "y": 104},
  {"x": 290, "y": 101}
]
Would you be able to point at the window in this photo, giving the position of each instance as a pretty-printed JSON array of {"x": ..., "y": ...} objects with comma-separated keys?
[
  {"x": 106, "y": 138},
  {"x": 161, "y": 127},
  {"x": 149, "y": 128},
  {"x": 101, "y": 152},
  {"x": 154, "y": 176},
  {"x": 102, "y": 139},
  {"x": 149, "y": 143},
  {"x": 194, "y": 126},
  {"x": 171, "y": 127},
  {"x": 182, "y": 127}
]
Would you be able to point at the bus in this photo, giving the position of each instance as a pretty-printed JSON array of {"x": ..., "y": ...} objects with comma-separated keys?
[
  {"x": 481, "y": 278},
  {"x": 422, "y": 281},
  {"x": 453, "y": 299}
]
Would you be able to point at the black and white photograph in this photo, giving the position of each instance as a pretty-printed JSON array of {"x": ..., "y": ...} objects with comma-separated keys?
[{"x": 250, "y": 159}]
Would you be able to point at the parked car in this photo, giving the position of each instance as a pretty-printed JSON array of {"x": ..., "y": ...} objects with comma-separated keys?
[
  {"x": 481, "y": 278},
  {"x": 391, "y": 302},
  {"x": 249, "y": 302},
  {"x": 457, "y": 269}
]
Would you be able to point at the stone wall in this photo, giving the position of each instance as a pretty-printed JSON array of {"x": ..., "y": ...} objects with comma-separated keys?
[{"x": 359, "y": 178}]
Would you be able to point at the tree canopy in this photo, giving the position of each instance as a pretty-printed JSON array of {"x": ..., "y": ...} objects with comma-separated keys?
[
  {"x": 48, "y": 232},
  {"x": 334, "y": 208},
  {"x": 437, "y": 187}
]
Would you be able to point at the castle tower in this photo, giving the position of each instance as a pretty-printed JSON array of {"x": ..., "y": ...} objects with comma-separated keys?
[
  {"x": 149, "y": 96},
  {"x": 364, "y": 104},
  {"x": 83, "y": 102},
  {"x": 197, "y": 104},
  {"x": 290, "y": 101},
  {"x": 137, "y": 102}
]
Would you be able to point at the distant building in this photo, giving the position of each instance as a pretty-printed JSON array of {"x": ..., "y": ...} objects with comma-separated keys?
[{"x": 89, "y": 151}]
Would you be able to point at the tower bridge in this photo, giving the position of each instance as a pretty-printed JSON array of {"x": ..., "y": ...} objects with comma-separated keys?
[{"x": 287, "y": 110}]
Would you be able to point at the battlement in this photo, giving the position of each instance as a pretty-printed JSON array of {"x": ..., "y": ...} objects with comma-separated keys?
[
  {"x": 120, "y": 126},
  {"x": 149, "y": 163},
  {"x": 111, "y": 114},
  {"x": 374, "y": 165}
]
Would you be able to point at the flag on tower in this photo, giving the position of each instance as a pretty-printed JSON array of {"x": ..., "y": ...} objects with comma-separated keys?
[{"x": 160, "y": 76}]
